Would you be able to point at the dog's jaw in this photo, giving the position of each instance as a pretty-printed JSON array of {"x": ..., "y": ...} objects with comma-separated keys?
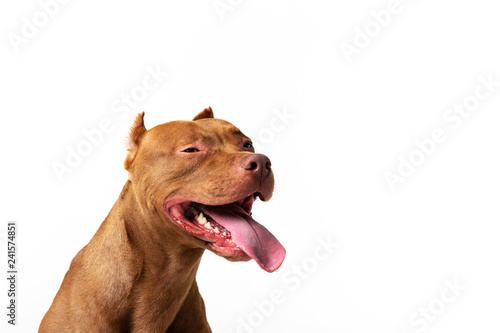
[
  {"x": 228, "y": 230},
  {"x": 206, "y": 232}
]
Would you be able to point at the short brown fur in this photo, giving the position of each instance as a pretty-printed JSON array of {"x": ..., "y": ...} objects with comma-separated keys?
[{"x": 138, "y": 272}]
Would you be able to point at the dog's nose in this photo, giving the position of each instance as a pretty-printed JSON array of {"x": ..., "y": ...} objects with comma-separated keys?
[{"x": 257, "y": 163}]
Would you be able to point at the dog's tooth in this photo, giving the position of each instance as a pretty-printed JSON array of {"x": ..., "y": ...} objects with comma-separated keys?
[
  {"x": 201, "y": 218},
  {"x": 224, "y": 233},
  {"x": 217, "y": 231},
  {"x": 208, "y": 225}
]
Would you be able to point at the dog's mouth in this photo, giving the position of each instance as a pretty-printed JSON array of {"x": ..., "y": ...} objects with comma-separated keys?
[{"x": 229, "y": 230}]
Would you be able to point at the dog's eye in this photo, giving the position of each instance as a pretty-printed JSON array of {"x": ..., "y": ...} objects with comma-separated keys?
[
  {"x": 248, "y": 144},
  {"x": 190, "y": 150}
]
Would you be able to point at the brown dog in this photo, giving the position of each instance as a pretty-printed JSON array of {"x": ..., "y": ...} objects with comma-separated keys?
[{"x": 191, "y": 187}]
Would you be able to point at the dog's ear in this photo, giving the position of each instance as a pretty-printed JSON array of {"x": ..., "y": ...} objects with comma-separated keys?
[
  {"x": 207, "y": 113},
  {"x": 133, "y": 139}
]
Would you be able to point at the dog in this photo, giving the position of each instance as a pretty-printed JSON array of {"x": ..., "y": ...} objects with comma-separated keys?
[{"x": 191, "y": 186}]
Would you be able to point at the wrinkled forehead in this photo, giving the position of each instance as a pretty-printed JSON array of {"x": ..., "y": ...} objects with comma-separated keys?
[{"x": 180, "y": 133}]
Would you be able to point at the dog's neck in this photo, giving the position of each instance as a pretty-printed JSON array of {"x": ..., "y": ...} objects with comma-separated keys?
[
  {"x": 150, "y": 235},
  {"x": 161, "y": 271}
]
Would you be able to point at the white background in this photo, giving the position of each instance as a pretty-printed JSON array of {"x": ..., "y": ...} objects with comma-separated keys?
[{"x": 352, "y": 122}]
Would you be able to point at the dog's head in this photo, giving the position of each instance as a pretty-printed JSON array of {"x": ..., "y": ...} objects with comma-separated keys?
[{"x": 202, "y": 177}]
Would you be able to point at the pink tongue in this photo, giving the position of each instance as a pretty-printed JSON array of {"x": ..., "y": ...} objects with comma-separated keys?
[{"x": 249, "y": 235}]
